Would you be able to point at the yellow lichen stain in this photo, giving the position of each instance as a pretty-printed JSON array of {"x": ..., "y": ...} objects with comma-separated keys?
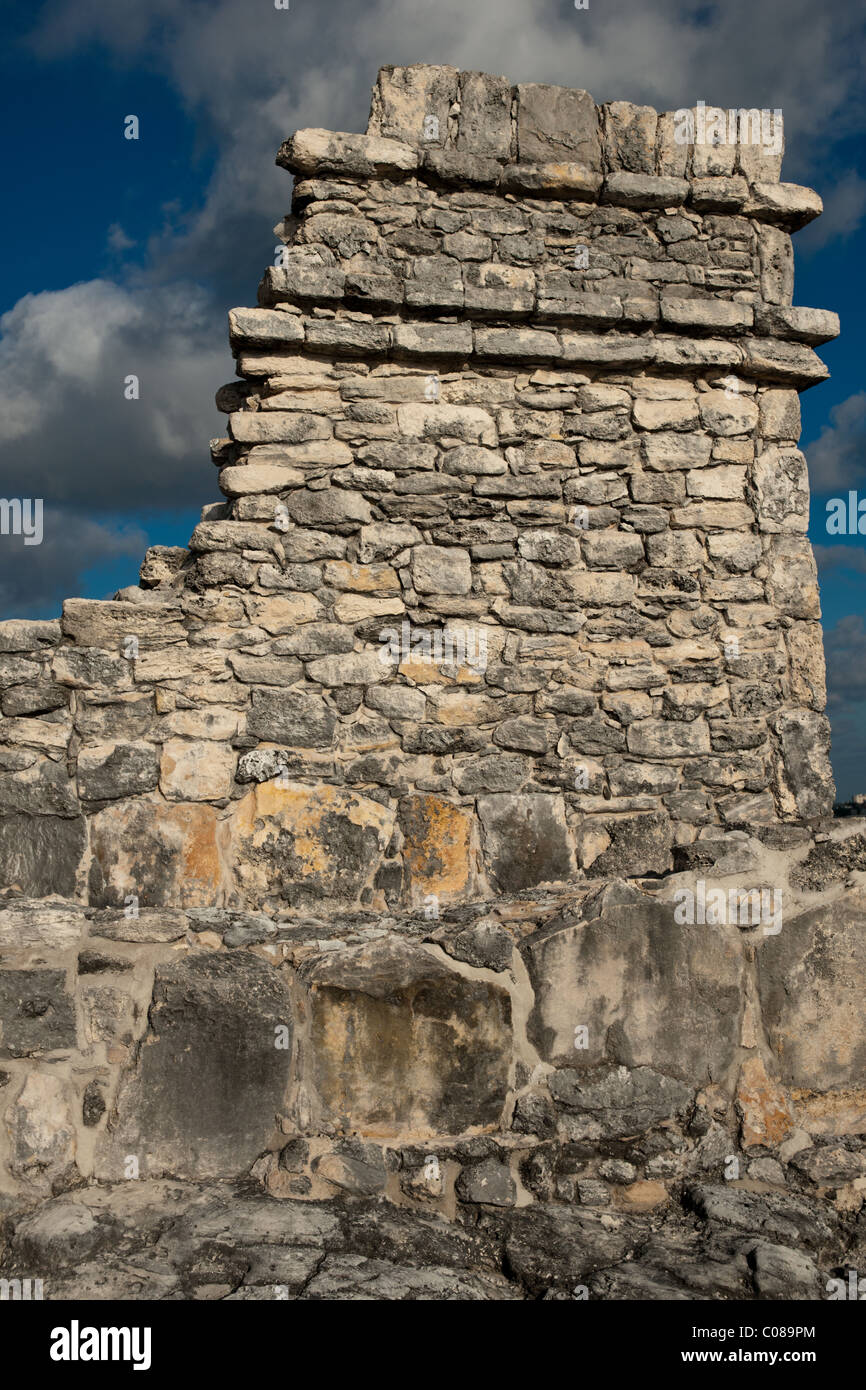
[
  {"x": 765, "y": 1112},
  {"x": 437, "y": 849}
]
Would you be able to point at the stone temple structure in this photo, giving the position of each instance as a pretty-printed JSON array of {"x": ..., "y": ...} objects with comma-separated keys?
[{"x": 440, "y": 847}]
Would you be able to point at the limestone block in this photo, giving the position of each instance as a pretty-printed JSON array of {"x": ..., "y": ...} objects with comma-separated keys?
[
  {"x": 201, "y": 1096},
  {"x": 718, "y": 194},
  {"x": 196, "y": 771},
  {"x": 96, "y": 623},
  {"x": 41, "y": 1129},
  {"x": 644, "y": 190},
  {"x": 469, "y": 423},
  {"x": 108, "y": 771},
  {"x": 784, "y": 204},
  {"x": 665, "y": 738},
  {"x": 629, "y": 137},
  {"x": 484, "y": 126},
  {"x": 325, "y": 151},
  {"x": 612, "y": 550},
  {"x": 780, "y": 415},
  {"x": 557, "y": 124},
  {"x": 810, "y": 984},
  {"x": 307, "y": 844},
  {"x": 792, "y": 582},
  {"x": 526, "y": 840},
  {"x": 777, "y": 265},
  {"x": 37, "y": 1014},
  {"x": 260, "y": 327},
  {"x": 725, "y": 482},
  {"x": 496, "y": 288},
  {"x": 41, "y": 854},
  {"x": 354, "y": 668},
  {"x": 665, "y": 415},
  {"x": 800, "y": 324},
  {"x": 329, "y": 507},
  {"x": 650, "y": 991},
  {"x": 403, "y": 1043},
  {"x": 706, "y": 313},
  {"x": 277, "y": 427},
  {"x": 441, "y": 570},
  {"x": 158, "y": 854},
  {"x": 291, "y": 716},
  {"x": 664, "y": 452},
  {"x": 561, "y": 179},
  {"x": 620, "y": 1100},
  {"x": 763, "y": 1107},
  {"x": 438, "y": 849},
  {"x": 404, "y": 97},
  {"x": 804, "y": 736},
  {"x": 781, "y": 480}
]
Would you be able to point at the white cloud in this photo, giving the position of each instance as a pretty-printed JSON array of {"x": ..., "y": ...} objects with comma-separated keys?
[
  {"x": 837, "y": 459},
  {"x": 117, "y": 240},
  {"x": 840, "y": 557},
  {"x": 68, "y": 433},
  {"x": 844, "y": 211},
  {"x": 34, "y": 578}
]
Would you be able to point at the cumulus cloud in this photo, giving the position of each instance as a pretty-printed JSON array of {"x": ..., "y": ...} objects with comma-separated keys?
[
  {"x": 117, "y": 240},
  {"x": 68, "y": 433},
  {"x": 35, "y": 578},
  {"x": 837, "y": 459},
  {"x": 845, "y": 650},
  {"x": 844, "y": 211},
  {"x": 840, "y": 557}
]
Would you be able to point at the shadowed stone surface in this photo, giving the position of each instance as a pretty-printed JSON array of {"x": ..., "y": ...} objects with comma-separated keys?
[
  {"x": 209, "y": 1077},
  {"x": 811, "y": 986},
  {"x": 400, "y": 1041},
  {"x": 648, "y": 990}
]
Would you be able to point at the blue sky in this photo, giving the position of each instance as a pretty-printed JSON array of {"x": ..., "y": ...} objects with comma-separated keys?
[{"x": 124, "y": 256}]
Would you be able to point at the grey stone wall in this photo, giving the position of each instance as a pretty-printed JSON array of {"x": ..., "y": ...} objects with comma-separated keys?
[{"x": 348, "y": 851}]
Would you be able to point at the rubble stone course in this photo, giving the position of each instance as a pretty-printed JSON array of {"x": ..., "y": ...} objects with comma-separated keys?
[{"x": 323, "y": 844}]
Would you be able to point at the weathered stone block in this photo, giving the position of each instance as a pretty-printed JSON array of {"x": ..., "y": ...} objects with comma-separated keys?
[
  {"x": 401, "y": 1042},
  {"x": 781, "y": 480},
  {"x": 629, "y": 137},
  {"x": 557, "y": 124},
  {"x": 526, "y": 841},
  {"x": 108, "y": 771},
  {"x": 484, "y": 127},
  {"x": 292, "y": 717},
  {"x": 441, "y": 570},
  {"x": 404, "y": 97},
  {"x": 211, "y": 1075},
  {"x": 41, "y": 1129},
  {"x": 41, "y": 854},
  {"x": 196, "y": 771},
  {"x": 158, "y": 854},
  {"x": 308, "y": 844},
  {"x": 618, "y": 1100},
  {"x": 37, "y": 1014},
  {"x": 439, "y": 853},
  {"x": 810, "y": 984}
]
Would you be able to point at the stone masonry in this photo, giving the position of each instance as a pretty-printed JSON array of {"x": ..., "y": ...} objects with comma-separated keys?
[{"x": 344, "y": 855}]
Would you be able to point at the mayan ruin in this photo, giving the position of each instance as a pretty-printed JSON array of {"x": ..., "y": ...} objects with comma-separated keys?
[{"x": 426, "y": 884}]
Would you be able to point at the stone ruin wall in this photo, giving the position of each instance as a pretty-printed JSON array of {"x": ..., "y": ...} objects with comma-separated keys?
[
  {"x": 227, "y": 808},
  {"x": 582, "y": 484}
]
